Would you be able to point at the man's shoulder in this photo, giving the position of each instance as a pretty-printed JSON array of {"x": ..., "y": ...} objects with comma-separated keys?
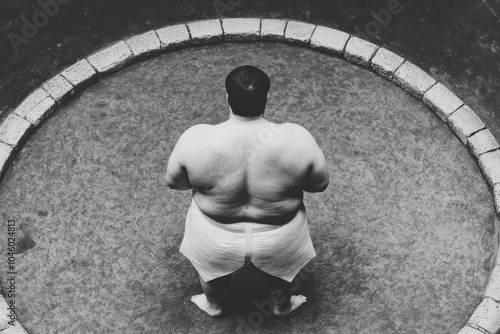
[
  {"x": 294, "y": 127},
  {"x": 299, "y": 139},
  {"x": 296, "y": 131},
  {"x": 191, "y": 137},
  {"x": 198, "y": 129}
]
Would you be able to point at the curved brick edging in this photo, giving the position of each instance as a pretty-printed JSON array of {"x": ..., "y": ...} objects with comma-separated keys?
[{"x": 462, "y": 120}]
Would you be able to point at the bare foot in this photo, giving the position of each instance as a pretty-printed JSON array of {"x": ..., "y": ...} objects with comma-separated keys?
[
  {"x": 295, "y": 302},
  {"x": 202, "y": 302}
]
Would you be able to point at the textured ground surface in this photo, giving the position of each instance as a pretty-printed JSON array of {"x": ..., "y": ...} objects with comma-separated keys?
[{"x": 404, "y": 234}]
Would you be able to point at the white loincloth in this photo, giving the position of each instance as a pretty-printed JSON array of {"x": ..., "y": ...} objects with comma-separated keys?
[{"x": 217, "y": 249}]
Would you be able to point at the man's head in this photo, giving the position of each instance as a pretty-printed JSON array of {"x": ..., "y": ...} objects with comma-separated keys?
[{"x": 247, "y": 89}]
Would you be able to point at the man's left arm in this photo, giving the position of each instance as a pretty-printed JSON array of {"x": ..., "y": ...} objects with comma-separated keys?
[{"x": 177, "y": 176}]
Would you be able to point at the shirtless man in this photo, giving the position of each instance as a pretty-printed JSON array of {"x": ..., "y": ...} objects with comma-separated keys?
[{"x": 248, "y": 176}]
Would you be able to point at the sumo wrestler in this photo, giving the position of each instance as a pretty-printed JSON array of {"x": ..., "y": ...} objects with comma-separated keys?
[{"x": 248, "y": 177}]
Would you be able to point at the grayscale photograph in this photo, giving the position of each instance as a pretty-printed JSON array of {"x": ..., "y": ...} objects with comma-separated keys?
[{"x": 245, "y": 166}]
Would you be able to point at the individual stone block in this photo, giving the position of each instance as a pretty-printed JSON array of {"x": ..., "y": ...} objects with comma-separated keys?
[
  {"x": 359, "y": 51},
  {"x": 239, "y": 30},
  {"x": 482, "y": 142},
  {"x": 205, "y": 31},
  {"x": 144, "y": 44},
  {"x": 174, "y": 37},
  {"x": 41, "y": 112},
  {"x": 329, "y": 40},
  {"x": 31, "y": 101},
  {"x": 16, "y": 329},
  {"x": 487, "y": 316},
  {"x": 493, "y": 288},
  {"x": 386, "y": 62},
  {"x": 299, "y": 32},
  {"x": 13, "y": 129},
  {"x": 469, "y": 330},
  {"x": 413, "y": 79},
  {"x": 80, "y": 75},
  {"x": 5, "y": 153},
  {"x": 111, "y": 58},
  {"x": 59, "y": 88},
  {"x": 272, "y": 30},
  {"x": 496, "y": 196},
  {"x": 464, "y": 122},
  {"x": 442, "y": 101},
  {"x": 490, "y": 166}
]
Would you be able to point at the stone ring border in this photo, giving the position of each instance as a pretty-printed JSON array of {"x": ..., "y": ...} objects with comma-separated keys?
[{"x": 462, "y": 120}]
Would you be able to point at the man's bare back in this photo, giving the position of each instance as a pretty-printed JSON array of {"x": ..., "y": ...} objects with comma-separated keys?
[
  {"x": 250, "y": 169},
  {"x": 247, "y": 170}
]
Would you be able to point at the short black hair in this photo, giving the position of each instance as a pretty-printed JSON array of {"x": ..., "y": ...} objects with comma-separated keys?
[{"x": 247, "y": 88}]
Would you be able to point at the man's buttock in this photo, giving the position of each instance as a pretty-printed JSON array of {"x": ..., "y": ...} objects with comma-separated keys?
[
  {"x": 217, "y": 250},
  {"x": 225, "y": 213}
]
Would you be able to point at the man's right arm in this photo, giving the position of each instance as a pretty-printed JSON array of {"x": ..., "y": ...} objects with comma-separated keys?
[{"x": 317, "y": 177}]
